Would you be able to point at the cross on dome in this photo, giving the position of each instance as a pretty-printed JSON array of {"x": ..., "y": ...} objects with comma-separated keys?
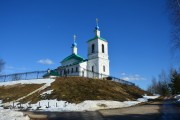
[
  {"x": 97, "y": 21},
  {"x": 74, "y": 43}
]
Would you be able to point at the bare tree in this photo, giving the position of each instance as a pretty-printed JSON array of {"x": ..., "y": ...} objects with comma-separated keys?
[
  {"x": 160, "y": 86},
  {"x": 1, "y": 65},
  {"x": 174, "y": 13}
]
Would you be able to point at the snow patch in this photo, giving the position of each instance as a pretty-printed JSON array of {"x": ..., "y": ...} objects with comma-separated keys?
[
  {"x": 87, "y": 105},
  {"x": 177, "y": 97},
  {"x": 7, "y": 114},
  {"x": 150, "y": 97},
  {"x": 47, "y": 92},
  {"x": 33, "y": 81}
]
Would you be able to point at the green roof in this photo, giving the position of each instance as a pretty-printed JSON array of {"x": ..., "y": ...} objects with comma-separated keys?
[
  {"x": 52, "y": 73},
  {"x": 73, "y": 56},
  {"x": 97, "y": 37},
  {"x": 79, "y": 62}
]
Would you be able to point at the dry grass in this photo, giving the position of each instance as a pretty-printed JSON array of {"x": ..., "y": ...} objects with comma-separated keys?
[
  {"x": 13, "y": 92},
  {"x": 78, "y": 89},
  {"x": 34, "y": 98}
]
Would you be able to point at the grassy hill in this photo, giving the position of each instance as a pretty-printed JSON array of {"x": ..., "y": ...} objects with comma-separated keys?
[{"x": 78, "y": 89}]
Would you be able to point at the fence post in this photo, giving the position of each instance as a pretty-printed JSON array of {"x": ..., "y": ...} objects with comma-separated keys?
[
  {"x": 26, "y": 76},
  {"x": 5, "y": 78},
  {"x": 13, "y": 104},
  {"x": 37, "y": 75},
  {"x": 39, "y": 104}
]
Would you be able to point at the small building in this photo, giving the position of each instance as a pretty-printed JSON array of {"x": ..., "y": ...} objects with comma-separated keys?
[
  {"x": 51, "y": 74},
  {"x": 97, "y": 64}
]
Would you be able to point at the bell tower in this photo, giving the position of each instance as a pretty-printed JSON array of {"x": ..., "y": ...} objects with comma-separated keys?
[{"x": 98, "y": 59}]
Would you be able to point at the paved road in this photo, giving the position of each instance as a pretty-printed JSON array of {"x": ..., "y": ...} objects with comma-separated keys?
[
  {"x": 170, "y": 110},
  {"x": 153, "y": 111},
  {"x": 142, "y": 112}
]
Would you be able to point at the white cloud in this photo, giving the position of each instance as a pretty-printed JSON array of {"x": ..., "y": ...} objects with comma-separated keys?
[
  {"x": 9, "y": 67},
  {"x": 45, "y": 61},
  {"x": 132, "y": 77},
  {"x": 123, "y": 73}
]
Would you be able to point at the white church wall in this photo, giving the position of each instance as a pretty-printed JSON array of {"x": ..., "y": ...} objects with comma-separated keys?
[
  {"x": 104, "y": 62},
  {"x": 83, "y": 69},
  {"x": 90, "y": 63}
]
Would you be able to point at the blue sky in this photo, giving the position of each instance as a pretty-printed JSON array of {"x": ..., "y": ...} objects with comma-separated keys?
[{"x": 36, "y": 31}]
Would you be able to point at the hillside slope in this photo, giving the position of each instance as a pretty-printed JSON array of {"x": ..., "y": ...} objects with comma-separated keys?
[
  {"x": 13, "y": 92},
  {"x": 78, "y": 89}
]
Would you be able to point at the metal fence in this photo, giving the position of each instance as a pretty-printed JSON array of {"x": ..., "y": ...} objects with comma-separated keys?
[
  {"x": 22, "y": 76},
  {"x": 40, "y": 74},
  {"x": 91, "y": 74}
]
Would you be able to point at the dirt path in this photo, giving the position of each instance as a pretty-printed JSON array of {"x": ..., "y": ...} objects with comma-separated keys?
[{"x": 142, "y": 112}]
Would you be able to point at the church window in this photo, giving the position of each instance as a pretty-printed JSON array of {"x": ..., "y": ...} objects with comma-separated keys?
[
  {"x": 76, "y": 69},
  {"x": 83, "y": 73},
  {"x": 93, "y": 48},
  {"x": 102, "y": 48},
  {"x": 92, "y": 68},
  {"x": 68, "y": 71},
  {"x": 104, "y": 69},
  {"x": 72, "y": 70}
]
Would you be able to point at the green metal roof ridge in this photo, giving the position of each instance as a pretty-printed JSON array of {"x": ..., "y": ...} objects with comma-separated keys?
[
  {"x": 79, "y": 62},
  {"x": 96, "y": 37},
  {"x": 73, "y": 56}
]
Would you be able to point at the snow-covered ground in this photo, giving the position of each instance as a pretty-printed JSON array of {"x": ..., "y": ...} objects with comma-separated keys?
[
  {"x": 33, "y": 81},
  {"x": 47, "y": 92},
  {"x": 61, "y": 106},
  {"x": 88, "y": 105},
  {"x": 7, "y": 114}
]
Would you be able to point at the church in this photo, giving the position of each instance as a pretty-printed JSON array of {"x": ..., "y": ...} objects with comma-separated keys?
[{"x": 97, "y": 64}]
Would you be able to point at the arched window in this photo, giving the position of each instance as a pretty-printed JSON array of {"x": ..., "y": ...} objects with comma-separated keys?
[
  {"x": 92, "y": 68},
  {"x": 68, "y": 71},
  {"x": 76, "y": 69},
  {"x": 72, "y": 70},
  {"x": 102, "y": 48},
  {"x": 104, "y": 68},
  {"x": 93, "y": 46},
  {"x": 83, "y": 73}
]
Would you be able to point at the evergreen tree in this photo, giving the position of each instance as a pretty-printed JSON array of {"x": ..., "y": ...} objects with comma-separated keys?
[
  {"x": 1, "y": 65},
  {"x": 175, "y": 82}
]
